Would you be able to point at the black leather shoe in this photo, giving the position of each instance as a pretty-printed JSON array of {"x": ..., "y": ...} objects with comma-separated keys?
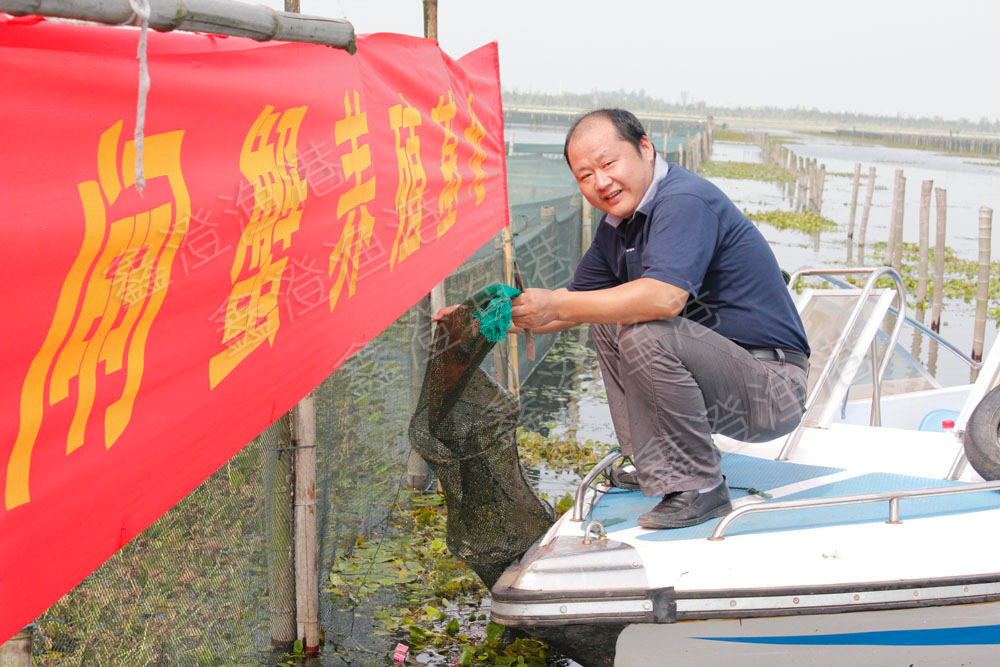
[
  {"x": 622, "y": 479},
  {"x": 688, "y": 508}
]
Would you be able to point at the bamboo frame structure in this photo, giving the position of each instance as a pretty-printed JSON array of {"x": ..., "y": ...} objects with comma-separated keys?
[{"x": 218, "y": 17}]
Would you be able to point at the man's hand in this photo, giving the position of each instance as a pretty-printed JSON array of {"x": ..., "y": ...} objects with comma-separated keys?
[
  {"x": 533, "y": 308},
  {"x": 444, "y": 312}
]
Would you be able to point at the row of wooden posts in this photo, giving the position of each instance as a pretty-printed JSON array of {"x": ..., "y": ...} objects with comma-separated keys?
[
  {"x": 696, "y": 150},
  {"x": 809, "y": 182},
  {"x": 808, "y": 176},
  {"x": 894, "y": 246},
  {"x": 951, "y": 142}
]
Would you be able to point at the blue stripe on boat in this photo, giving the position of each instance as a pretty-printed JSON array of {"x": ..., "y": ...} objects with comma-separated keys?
[{"x": 979, "y": 634}]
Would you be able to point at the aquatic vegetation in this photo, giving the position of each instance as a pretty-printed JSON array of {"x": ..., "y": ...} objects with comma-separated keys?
[
  {"x": 439, "y": 613},
  {"x": 747, "y": 170},
  {"x": 803, "y": 221},
  {"x": 982, "y": 164},
  {"x": 732, "y": 135},
  {"x": 558, "y": 452},
  {"x": 440, "y": 616},
  {"x": 960, "y": 275}
]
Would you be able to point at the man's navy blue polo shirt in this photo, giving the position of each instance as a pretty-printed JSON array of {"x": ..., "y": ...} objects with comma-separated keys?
[{"x": 691, "y": 235}]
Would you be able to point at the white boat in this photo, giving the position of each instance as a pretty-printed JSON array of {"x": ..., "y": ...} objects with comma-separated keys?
[{"x": 864, "y": 537}]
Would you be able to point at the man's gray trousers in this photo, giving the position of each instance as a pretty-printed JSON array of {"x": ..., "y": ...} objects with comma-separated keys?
[{"x": 672, "y": 383}]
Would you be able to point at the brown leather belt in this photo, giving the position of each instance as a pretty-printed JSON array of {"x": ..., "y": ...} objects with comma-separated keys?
[{"x": 793, "y": 357}]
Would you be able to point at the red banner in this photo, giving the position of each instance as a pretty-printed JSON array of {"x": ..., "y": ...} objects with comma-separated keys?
[{"x": 297, "y": 200}]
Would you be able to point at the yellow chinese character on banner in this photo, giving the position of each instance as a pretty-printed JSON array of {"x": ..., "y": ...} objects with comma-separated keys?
[
  {"x": 443, "y": 115},
  {"x": 412, "y": 180},
  {"x": 108, "y": 301},
  {"x": 360, "y": 224},
  {"x": 474, "y": 134},
  {"x": 268, "y": 160}
]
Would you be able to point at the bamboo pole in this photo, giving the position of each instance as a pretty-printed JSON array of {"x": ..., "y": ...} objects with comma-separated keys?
[
  {"x": 854, "y": 203},
  {"x": 431, "y": 19},
  {"x": 278, "y": 514},
  {"x": 306, "y": 575},
  {"x": 864, "y": 215},
  {"x": 16, "y": 651},
  {"x": 499, "y": 352},
  {"x": 417, "y": 470},
  {"x": 941, "y": 196},
  {"x": 513, "y": 372},
  {"x": 895, "y": 220},
  {"x": 586, "y": 216},
  {"x": 897, "y": 253},
  {"x": 302, "y": 424},
  {"x": 925, "y": 220},
  {"x": 217, "y": 17},
  {"x": 811, "y": 187},
  {"x": 983, "y": 286},
  {"x": 821, "y": 184}
]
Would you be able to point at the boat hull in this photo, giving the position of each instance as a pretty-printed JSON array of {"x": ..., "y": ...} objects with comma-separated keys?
[{"x": 967, "y": 634}]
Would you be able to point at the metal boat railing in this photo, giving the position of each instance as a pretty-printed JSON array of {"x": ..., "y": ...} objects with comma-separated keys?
[
  {"x": 893, "y": 497},
  {"x": 877, "y": 374},
  {"x": 930, "y": 333},
  {"x": 581, "y": 490}
]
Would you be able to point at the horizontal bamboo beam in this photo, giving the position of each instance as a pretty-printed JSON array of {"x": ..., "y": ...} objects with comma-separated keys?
[{"x": 219, "y": 17}]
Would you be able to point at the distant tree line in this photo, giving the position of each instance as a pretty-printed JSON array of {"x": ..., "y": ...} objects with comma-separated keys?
[{"x": 640, "y": 102}]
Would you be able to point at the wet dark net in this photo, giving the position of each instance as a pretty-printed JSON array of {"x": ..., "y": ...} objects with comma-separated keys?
[{"x": 465, "y": 427}]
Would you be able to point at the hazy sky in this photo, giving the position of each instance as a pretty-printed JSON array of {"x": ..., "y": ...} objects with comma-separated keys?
[{"x": 874, "y": 56}]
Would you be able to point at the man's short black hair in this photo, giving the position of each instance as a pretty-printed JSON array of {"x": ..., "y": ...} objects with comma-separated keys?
[{"x": 626, "y": 124}]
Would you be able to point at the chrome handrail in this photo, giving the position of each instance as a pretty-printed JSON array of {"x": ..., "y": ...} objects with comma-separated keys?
[
  {"x": 581, "y": 490},
  {"x": 876, "y": 272},
  {"x": 892, "y": 496},
  {"x": 930, "y": 333}
]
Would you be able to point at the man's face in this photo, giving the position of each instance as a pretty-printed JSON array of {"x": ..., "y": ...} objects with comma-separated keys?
[{"x": 611, "y": 174}]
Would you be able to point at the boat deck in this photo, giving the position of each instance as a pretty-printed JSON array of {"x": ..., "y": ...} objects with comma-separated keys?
[{"x": 617, "y": 510}]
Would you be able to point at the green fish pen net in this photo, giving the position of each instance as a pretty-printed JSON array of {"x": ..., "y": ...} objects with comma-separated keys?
[{"x": 465, "y": 427}]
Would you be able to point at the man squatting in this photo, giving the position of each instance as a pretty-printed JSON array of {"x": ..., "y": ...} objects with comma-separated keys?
[{"x": 694, "y": 328}]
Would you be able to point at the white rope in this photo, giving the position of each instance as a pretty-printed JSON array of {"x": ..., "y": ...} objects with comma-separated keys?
[{"x": 142, "y": 10}]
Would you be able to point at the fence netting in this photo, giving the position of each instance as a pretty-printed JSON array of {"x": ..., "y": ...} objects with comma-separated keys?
[{"x": 193, "y": 588}]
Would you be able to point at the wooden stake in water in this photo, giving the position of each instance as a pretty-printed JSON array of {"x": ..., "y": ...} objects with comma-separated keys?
[
  {"x": 854, "y": 202},
  {"x": 983, "y": 283},
  {"x": 942, "y": 209},
  {"x": 864, "y": 215},
  {"x": 896, "y": 222},
  {"x": 820, "y": 184},
  {"x": 586, "y": 215},
  {"x": 925, "y": 223}
]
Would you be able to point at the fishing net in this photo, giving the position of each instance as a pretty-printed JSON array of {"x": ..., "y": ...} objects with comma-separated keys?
[{"x": 465, "y": 428}]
